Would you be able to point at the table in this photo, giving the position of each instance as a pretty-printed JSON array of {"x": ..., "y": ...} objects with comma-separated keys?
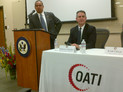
[{"x": 94, "y": 71}]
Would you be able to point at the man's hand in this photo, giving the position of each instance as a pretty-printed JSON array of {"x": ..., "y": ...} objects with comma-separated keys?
[{"x": 76, "y": 45}]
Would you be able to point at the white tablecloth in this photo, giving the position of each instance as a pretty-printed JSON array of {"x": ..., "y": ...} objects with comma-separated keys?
[{"x": 94, "y": 71}]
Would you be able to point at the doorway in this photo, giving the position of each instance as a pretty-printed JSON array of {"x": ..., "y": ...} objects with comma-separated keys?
[{"x": 2, "y": 29}]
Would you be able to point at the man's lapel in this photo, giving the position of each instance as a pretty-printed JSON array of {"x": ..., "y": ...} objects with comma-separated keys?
[{"x": 38, "y": 20}]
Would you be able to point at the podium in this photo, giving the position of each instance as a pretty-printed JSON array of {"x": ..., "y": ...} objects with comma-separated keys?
[{"x": 28, "y": 63}]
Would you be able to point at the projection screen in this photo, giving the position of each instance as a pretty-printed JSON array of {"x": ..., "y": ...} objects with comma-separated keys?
[{"x": 65, "y": 10}]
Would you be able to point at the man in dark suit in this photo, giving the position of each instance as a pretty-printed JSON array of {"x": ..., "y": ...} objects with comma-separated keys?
[
  {"x": 86, "y": 32},
  {"x": 50, "y": 22}
]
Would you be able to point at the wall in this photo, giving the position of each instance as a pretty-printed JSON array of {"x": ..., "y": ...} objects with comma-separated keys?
[
  {"x": 14, "y": 17},
  {"x": 8, "y": 20},
  {"x": 14, "y": 13}
]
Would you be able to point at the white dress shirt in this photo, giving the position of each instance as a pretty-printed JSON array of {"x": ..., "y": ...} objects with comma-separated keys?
[
  {"x": 43, "y": 15},
  {"x": 82, "y": 28}
]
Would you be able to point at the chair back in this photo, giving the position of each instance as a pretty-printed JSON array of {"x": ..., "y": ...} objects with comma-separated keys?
[
  {"x": 102, "y": 37},
  {"x": 122, "y": 38}
]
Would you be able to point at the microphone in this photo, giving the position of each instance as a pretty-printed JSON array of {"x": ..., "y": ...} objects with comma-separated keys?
[
  {"x": 67, "y": 43},
  {"x": 31, "y": 13}
]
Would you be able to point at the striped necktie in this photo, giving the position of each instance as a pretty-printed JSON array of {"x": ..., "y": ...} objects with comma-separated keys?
[
  {"x": 79, "y": 36},
  {"x": 42, "y": 22}
]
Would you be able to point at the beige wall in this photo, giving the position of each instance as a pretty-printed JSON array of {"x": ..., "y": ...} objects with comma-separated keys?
[
  {"x": 14, "y": 13},
  {"x": 14, "y": 17},
  {"x": 8, "y": 20}
]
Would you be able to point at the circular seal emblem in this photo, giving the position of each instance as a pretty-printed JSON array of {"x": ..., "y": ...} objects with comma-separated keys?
[{"x": 23, "y": 46}]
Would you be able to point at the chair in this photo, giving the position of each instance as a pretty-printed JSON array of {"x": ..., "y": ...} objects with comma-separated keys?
[
  {"x": 122, "y": 38},
  {"x": 102, "y": 37}
]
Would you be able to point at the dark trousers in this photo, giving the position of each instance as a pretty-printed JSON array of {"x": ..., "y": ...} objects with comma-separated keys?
[{"x": 52, "y": 43}]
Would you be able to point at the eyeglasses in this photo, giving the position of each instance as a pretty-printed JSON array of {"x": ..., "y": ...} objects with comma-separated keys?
[{"x": 38, "y": 5}]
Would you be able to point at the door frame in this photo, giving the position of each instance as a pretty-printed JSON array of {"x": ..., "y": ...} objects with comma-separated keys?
[{"x": 3, "y": 23}]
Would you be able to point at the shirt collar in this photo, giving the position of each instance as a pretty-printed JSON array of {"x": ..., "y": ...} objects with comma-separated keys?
[
  {"x": 41, "y": 13},
  {"x": 82, "y": 27}
]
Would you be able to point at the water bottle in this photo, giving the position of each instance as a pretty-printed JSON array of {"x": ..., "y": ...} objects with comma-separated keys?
[
  {"x": 55, "y": 44},
  {"x": 83, "y": 46}
]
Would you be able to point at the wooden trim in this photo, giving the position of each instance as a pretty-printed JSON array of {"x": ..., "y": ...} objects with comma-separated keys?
[
  {"x": 2, "y": 29},
  {"x": 110, "y": 33}
]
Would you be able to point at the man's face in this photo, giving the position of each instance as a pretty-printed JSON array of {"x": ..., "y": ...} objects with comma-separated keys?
[
  {"x": 81, "y": 18},
  {"x": 39, "y": 7}
]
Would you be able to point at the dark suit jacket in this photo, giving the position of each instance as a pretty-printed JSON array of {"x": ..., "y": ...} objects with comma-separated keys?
[
  {"x": 89, "y": 34},
  {"x": 53, "y": 24}
]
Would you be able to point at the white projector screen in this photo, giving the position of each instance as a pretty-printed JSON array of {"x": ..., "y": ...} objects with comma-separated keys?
[{"x": 65, "y": 10}]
